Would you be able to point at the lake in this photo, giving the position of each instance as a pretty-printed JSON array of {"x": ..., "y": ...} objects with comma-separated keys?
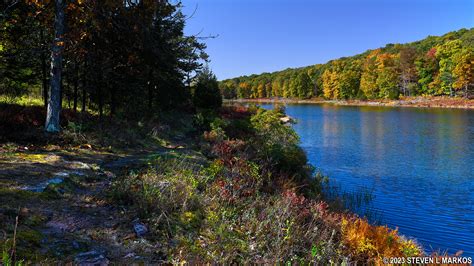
[{"x": 418, "y": 164}]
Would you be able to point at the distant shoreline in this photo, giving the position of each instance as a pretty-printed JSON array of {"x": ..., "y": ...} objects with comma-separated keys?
[{"x": 421, "y": 102}]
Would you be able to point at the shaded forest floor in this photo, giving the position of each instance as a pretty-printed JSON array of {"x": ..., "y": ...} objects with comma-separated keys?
[
  {"x": 58, "y": 185},
  {"x": 421, "y": 102}
]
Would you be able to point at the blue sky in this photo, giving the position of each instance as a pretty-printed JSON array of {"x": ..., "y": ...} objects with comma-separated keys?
[{"x": 256, "y": 36}]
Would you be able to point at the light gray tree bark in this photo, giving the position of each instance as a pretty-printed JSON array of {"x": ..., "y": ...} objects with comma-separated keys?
[{"x": 54, "y": 95}]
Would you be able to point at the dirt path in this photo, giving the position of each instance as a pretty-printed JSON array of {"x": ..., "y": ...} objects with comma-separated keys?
[{"x": 64, "y": 212}]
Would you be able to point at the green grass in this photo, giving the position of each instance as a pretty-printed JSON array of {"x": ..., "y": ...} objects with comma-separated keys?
[{"x": 24, "y": 100}]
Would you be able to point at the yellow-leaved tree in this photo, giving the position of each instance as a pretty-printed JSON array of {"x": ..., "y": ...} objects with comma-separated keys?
[
  {"x": 368, "y": 80},
  {"x": 330, "y": 84},
  {"x": 463, "y": 71}
]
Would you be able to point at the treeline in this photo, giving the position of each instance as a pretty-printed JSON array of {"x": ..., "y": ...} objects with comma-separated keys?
[
  {"x": 127, "y": 57},
  {"x": 433, "y": 66}
]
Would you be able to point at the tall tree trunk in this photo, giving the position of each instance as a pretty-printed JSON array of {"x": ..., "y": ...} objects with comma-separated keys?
[
  {"x": 61, "y": 88},
  {"x": 84, "y": 100},
  {"x": 54, "y": 95},
  {"x": 150, "y": 98},
  {"x": 150, "y": 91},
  {"x": 101, "y": 101},
  {"x": 76, "y": 85},
  {"x": 66, "y": 90},
  {"x": 85, "y": 83},
  {"x": 44, "y": 73},
  {"x": 113, "y": 102},
  {"x": 100, "y": 97}
]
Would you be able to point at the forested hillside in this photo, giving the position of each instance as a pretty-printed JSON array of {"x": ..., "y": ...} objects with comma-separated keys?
[{"x": 441, "y": 65}]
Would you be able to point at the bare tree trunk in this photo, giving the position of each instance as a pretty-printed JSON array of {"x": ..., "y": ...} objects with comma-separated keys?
[
  {"x": 84, "y": 100},
  {"x": 66, "y": 90},
  {"x": 54, "y": 105},
  {"x": 76, "y": 85},
  {"x": 61, "y": 88},
  {"x": 44, "y": 71},
  {"x": 150, "y": 98},
  {"x": 100, "y": 96},
  {"x": 85, "y": 83},
  {"x": 403, "y": 86},
  {"x": 100, "y": 100},
  {"x": 150, "y": 91},
  {"x": 113, "y": 103}
]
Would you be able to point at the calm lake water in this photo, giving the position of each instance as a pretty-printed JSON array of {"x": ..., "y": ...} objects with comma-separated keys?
[{"x": 419, "y": 164}]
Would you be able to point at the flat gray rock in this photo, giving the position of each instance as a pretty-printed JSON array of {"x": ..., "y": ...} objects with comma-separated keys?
[{"x": 91, "y": 258}]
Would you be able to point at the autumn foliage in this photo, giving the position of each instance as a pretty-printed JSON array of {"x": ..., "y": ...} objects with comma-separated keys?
[
  {"x": 434, "y": 66},
  {"x": 255, "y": 202},
  {"x": 368, "y": 242},
  {"x": 120, "y": 57}
]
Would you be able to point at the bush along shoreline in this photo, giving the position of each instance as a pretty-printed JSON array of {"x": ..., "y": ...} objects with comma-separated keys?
[{"x": 246, "y": 194}]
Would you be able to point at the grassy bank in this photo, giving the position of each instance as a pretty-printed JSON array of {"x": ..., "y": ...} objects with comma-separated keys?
[
  {"x": 256, "y": 200},
  {"x": 420, "y": 102},
  {"x": 231, "y": 186}
]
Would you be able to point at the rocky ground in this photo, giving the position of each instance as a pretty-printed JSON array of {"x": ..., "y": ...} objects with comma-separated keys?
[{"x": 60, "y": 199}]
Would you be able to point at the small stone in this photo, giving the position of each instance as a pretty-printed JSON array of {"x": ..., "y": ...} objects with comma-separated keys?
[
  {"x": 42, "y": 186},
  {"x": 140, "y": 228},
  {"x": 86, "y": 146},
  {"x": 75, "y": 245},
  {"x": 108, "y": 174},
  {"x": 78, "y": 173},
  {"x": 129, "y": 255},
  {"x": 91, "y": 258},
  {"x": 58, "y": 225},
  {"x": 286, "y": 119},
  {"x": 59, "y": 175},
  {"x": 78, "y": 165}
]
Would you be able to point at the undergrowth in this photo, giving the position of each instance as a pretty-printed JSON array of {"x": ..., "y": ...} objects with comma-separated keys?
[
  {"x": 256, "y": 200},
  {"x": 24, "y": 124}
]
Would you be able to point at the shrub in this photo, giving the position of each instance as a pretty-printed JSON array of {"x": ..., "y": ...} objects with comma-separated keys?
[
  {"x": 271, "y": 131},
  {"x": 245, "y": 207},
  {"x": 203, "y": 118},
  {"x": 262, "y": 229},
  {"x": 278, "y": 143},
  {"x": 206, "y": 91},
  {"x": 165, "y": 196},
  {"x": 368, "y": 242}
]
